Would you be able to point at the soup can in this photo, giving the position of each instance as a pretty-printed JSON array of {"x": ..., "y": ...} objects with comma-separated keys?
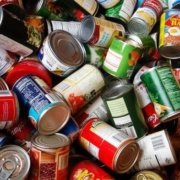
[
  {"x": 15, "y": 162},
  {"x": 112, "y": 147},
  {"x": 169, "y": 38},
  {"x": 164, "y": 92},
  {"x": 108, "y": 3},
  {"x": 46, "y": 110},
  {"x": 81, "y": 87},
  {"x": 61, "y": 53},
  {"x": 49, "y": 157}
]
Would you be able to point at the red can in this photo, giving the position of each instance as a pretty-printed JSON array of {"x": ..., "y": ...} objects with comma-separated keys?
[{"x": 110, "y": 146}]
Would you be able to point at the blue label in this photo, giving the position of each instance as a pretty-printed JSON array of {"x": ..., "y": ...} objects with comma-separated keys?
[{"x": 40, "y": 54}]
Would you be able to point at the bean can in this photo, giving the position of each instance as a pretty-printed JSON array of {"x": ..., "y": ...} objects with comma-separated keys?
[{"x": 109, "y": 145}]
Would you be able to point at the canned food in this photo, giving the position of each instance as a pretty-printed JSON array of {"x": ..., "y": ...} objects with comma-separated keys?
[
  {"x": 125, "y": 116},
  {"x": 46, "y": 110},
  {"x": 121, "y": 58},
  {"x": 112, "y": 147},
  {"x": 81, "y": 87},
  {"x": 164, "y": 92},
  {"x": 15, "y": 162},
  {"x": 49, "y": 157},
  {"x": 108, "y": 3},
  {"x": 169, "y": 38},
  {"x": 173, "y": 4},
  {"x": 61, "y": 53}
]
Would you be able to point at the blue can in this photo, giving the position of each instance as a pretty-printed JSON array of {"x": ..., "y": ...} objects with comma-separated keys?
[{"x": 46, "y": 109}]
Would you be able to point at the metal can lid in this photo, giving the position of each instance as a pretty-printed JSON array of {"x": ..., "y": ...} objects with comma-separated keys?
[
  {"x": 53, "y": 141},
  {"x": 134, "y": 40},
  {"x": 14, "y": 162},
  {"x": 146, "y": 174},
  {"x": 54, "y": 118},
  {"x": 66, "y": 48}
]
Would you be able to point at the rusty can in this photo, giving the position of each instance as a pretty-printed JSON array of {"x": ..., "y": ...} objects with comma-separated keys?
[
  {"x": 97, "y": 137},
  {"x": 81, "y": 86},
  {"x": 61, "y": 53},
  {"x": 46, "y": 110},
  {"x": 14, "y": 162},
  {"x": 49, "y": 156}
]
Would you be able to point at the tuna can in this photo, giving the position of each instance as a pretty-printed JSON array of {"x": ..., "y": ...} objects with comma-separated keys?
[
  {"x": 114, "y": 148},
  {"x": 173, "y": 4},
  {"x": 108, "y": 3},
  {"x": 49, "y": 157},
  {"x": 61, "y": 53},
  {"x": 29, "y": 66},
  {"x": 81, "y": 86},
  {"x": 46, "y": 110},
  {"x": 157, "y": 151},
  {"x": 125, "y": 116},
  {"x": 86, "y": 169},
  {"x": 164, "y": 92},
  {"x": 99, "y": 32},
  {"x": 15, "y": 163},
  {"x": 169, "y": 38},
  {"x": 121, "y": 58}
]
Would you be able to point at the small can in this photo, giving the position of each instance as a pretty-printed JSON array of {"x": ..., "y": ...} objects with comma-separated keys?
[
  {"x": 121, "y": 58},
  {"x": 15, "y": 162},
  {"x": 87, "y": 169},
  {"x": 81, "y": 86},
  {"x": 169, "y": 38},
  {"x": 164, "y": 92},
  {"x": 101, "y": 137},
  {"x": 125, "y": 116},
  {"x": 46, "y": 110},
  {"x": 49, "y": 156},
  {"x": 100, "y": 32},
  {"x": 157, "y": 151},
  {"x": 61, "y": 53},
  {"x": 173, "y": 4},
  {"x": 108, "y": 3}
]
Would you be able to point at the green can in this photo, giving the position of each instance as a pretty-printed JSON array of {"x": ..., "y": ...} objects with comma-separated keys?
[
  {"x": 121, "y": 58},
  {"x": 124, "y": 114},
  {"x": 164, "y": 92}
]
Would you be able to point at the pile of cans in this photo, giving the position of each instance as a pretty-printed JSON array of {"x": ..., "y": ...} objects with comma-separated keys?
[{"x": 89, "y": 89}]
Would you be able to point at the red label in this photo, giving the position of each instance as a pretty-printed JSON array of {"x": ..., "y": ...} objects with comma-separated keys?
[
  {"x": 3, "y": 2},
  {"x": 173, "y": 21},
  {"x": 95, "y": 36}
]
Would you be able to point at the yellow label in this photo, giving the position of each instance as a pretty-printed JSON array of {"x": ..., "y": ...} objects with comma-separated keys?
[{"x": 162, "y": 26}]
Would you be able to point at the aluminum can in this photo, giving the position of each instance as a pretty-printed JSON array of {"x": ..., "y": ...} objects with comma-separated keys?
[
  {"x": 157, "y": 151},
  {"x": 15, "y": 163},
  {"x": 81, "y": 87},
  {"x": 121, "y": 58},
  {"x": 27, "y": 66},
  {"x": 100, "y": 32},
  {"x": 102, "y": 137},
  {"x": 49, "y": 157},
  {"x": 169, "y": 38},
  {"x": 108, "y": 3},
  {"x": 61, "y": 53},
  {"x": 46, "y": 110},
  {"x": 173, "y": 4},
  {"x": 164, "y": 92}
]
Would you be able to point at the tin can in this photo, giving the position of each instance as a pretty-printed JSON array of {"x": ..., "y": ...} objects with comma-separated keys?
[
  {"x": 100, "y": 32},
  {"x": 110, "y": 146},
  {"x": 81, "y": 87},
  {"x": 108, "y": 3},
  {"x": 61, "y": 53},
  {"x": 15, "y": 162},
  {"x": 121, "y": 58},
  {"x": 164, "y": 92},
  {"x": 142, "y": 21},
  {"x": 86, "y": 169},
  {"x": 173, "y": 4},
  {"x": 125, "y": 116},
  {"x": 157, "y": 151},
  {"x": 146, "y": 174},
  {"x": 46, "y": 110},
  {"x": 169, "y": 38},
  {"x": 49, "y": 157}
]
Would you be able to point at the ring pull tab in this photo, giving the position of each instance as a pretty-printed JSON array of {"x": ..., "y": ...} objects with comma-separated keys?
[{"x": 6, "y": 169}]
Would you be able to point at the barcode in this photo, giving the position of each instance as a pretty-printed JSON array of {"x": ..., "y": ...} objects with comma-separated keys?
[{"x": 158, "y": 142}]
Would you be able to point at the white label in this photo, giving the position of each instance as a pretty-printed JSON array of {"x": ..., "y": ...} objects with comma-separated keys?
[
  {"x": 108, "y": 3},
  {"x": 156, "y": 151},
  {"x": 123, "y": 121},
  {"x": 13, "y": 46},
  {"x": 130, "y": 131}
]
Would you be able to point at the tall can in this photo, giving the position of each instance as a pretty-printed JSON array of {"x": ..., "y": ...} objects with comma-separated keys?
[
  {"x": 124, "y": 115},
  {"x": 81, "y": 86},
  {"x": 164, "y": 92},
  {"x": 46, "y": 110},
  {"x": 49, "y": 157},
  {"x": 109, "y": 145}
]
